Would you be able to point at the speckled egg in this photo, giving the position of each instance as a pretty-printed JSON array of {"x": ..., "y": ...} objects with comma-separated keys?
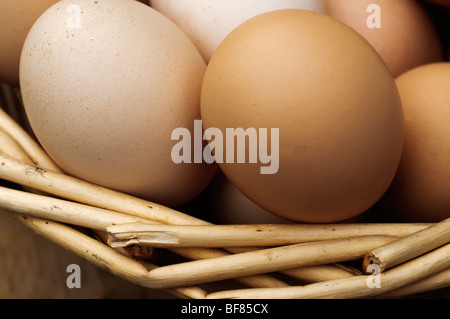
[{"x": 104, "y": 84}]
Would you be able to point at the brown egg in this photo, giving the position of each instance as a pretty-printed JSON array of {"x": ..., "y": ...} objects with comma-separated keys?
[
  {"x": 401, "y": 31},
  {"x": 421, "y": 188},
  {"x": 323, "y": 103},
  {"x": 16, "y": 19}
]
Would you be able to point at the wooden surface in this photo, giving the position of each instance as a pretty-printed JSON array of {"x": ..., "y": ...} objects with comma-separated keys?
[{"x": 33, "y": 267}]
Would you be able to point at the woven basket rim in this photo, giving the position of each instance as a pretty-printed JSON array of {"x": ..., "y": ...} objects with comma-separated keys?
[{"x": 272, "y": 270}]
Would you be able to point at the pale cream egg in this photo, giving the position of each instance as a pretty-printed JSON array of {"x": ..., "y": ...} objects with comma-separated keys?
[{"x": 105, "y": 83}]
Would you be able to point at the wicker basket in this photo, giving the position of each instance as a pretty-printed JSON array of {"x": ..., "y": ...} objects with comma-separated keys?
[{"x": 161, "y": 248}]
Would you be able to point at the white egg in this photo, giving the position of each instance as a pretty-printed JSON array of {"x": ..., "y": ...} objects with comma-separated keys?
[
  {"x": 208, "y": 22},
  {"x": 230, "y": 206}
]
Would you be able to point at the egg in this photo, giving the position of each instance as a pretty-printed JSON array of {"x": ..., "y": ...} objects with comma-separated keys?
[
  {"x": 208, "y": 22},
  {"x": 401, "y": 31},
  {"x": 104, "y": 85},
  {"x": 420, "y": 190},
  {"x": 316, "y": 112},
  {"x": 16, "y": 19},
  {"x": 230, "y": 206}
]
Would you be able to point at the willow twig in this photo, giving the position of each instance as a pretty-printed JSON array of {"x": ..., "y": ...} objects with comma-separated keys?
[
  {"x": 122, "y": 235},
  {"x": 32, "y": 149},
  {"x": 366, "y": 286},
  {"x": 320, "y": 273},
  {"x": 438, "y": 281},
  {"x": 268, "y": 260},
  {"x": 409, "y": 247}
]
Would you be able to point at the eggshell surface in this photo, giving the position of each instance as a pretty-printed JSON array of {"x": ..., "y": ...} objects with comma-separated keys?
[
  {"x": 401, "y": 31},
  {"x": 333, "y": 100},
  {"x": 420, "y": 191},
  {"x": 208, "y": 22},
  {"x": 104, "y": 84},
  {"x": 230, "y": 206}
]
